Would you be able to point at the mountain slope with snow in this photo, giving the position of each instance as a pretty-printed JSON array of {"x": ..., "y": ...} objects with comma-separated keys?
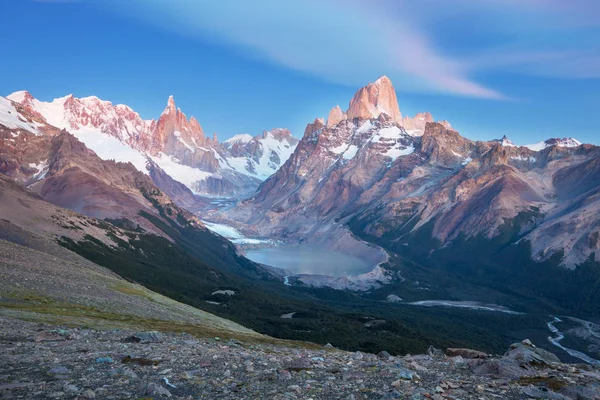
[
  {"x": 173, "y": 142},
  {"x": 396, "y": 184}
]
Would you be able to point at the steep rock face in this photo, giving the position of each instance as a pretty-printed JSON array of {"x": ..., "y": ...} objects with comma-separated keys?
[
  {"x": 174, "y": 143},
  {"x": 374, "y": 99},
  {"x": 416, "y": 125},
  {"x": 374, "y": 172},
  {"x": 180, "y": 193},
  {"x": 336, "y": 115}
]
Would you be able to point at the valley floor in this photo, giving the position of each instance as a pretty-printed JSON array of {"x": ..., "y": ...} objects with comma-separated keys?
[{"x": 45, "y": 361}]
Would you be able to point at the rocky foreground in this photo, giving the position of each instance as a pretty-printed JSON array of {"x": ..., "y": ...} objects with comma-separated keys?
[{"x": 41, "y": 361}]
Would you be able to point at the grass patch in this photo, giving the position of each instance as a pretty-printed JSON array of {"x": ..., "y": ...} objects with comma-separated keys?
[
  {"x": 130, "y": 290},
  {"x": 550, "y": 382},
  {"x": 42, "y": 309}
]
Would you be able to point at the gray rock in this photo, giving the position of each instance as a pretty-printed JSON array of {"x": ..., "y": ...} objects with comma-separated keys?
[
  {"x": 590, "y": 392},
  {"x": 89, "y": 394},
  {"x": 70, "y": 388},
  {"x": 284, "y": 375},
  {"x": 435, "y": 353},
  {"x": 104, "y": 360},
  {"x": 155, "y": 389},
  {"x": 45, "y": 336},
  {"x": 145, "y": 337},
  {"x": 295, "y": 388},
  {"x": 503, "y": 368},
  {"x": 525, "y": 354},
  {"x": 539, "y": 393},
  {"x": 406, "y": 374},
  {"x": 465, "y": 353},
  {"x": 299, "y": 364},
  {"x": 59, "y": 371},
  {"x": 383, "y": 355}
]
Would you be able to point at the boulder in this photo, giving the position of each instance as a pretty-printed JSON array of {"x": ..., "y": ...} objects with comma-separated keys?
[{"x": 465, "y": 353}]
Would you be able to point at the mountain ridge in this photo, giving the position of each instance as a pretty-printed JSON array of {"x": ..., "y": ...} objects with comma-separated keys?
[
  {"x": 374, "y": 166},
  {"x": 174, "y": 142}
]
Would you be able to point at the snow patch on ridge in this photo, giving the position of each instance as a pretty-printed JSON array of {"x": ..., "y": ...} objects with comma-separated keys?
[
  {"x": 182, "y": 173},
  {"x": 10, "y": 118},
  {"x": 240, "y": 138},
  {"x": 110, "y": 148}
]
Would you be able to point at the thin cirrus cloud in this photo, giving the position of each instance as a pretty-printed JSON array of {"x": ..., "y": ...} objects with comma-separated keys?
[{"x": 352, "y": 41}]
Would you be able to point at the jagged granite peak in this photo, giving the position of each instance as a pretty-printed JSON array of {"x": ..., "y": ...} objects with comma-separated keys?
[
  {"x": 174, "y": 142},
  {"x": 374, "y": 99},
  {"x": 377, "y": 172},
  {"x": 415, "y": 126},
  {"x": 174, "y": 132},
  {"x": 318, "y": 123},
  {"x": 336, "y": 115}
]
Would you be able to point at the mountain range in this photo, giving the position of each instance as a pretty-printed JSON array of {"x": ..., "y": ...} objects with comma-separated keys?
[
  {"x": 439, "y": 215},
  {"x": 399, "y": 177},
  {"x": 173, "y": 142}
]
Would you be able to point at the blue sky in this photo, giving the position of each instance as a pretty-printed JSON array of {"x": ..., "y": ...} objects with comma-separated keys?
[{"x": 529, "y": 69}]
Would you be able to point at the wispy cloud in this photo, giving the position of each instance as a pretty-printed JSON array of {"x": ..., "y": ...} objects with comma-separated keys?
[{"x": 353, "y": 41}]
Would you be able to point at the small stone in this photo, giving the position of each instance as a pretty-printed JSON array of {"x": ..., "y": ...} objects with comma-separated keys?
[
  {"x": 295, "y": 388},
  {"x": 104, "y": 360},
  {"x": 155, "y": 389},
  {"x": 217, "y": 338},
  {"x": 227, "y": 373},
  {"x": 384, "y": 355},
  {"x": 71, "y": 388},
  {"x": 357, "y": 356},
  {"x": 321, "y": 359},
  {"x": 58, "y": 371},
  {"x": 145, "y": 337},
  {"x": 453, "y": 385},
  {"x": 479, "y": 389},
  {"x": 89, "y": 394},
  {"x": 438, "y": 389},
  {"x": 328, "y": 346},
  {"x": 44, "y": 336},
  {"x": 406, "y": 374},
  {"x": 284, "y": 375}
]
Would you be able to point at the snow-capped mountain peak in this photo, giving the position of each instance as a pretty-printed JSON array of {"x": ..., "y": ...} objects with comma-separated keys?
[
  {"x": 173, "y": 142},
  {"x": 560, "y": 142},
  {"x": 239, "y": 138},
  {"x": 505, "y": 142}
]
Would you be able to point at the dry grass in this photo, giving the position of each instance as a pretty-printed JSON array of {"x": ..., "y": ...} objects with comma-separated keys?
[{"x": 42, "y": 309}]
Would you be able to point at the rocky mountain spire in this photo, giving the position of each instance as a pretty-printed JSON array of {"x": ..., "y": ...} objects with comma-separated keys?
[
  {"x": 375, "y": 99},
  {"x": 336, "y": 115}
]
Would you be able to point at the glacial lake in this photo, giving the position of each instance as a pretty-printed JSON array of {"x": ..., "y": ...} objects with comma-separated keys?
[{"x": 309, "y": 260}]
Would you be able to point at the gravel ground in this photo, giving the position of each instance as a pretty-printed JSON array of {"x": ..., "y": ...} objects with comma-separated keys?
[{"x": 40, "y": 361}]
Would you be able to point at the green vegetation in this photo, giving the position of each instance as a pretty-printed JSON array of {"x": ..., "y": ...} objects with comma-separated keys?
[
  {"x": 197, "y": 263},
  {"x": 497, "y": 270}
]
